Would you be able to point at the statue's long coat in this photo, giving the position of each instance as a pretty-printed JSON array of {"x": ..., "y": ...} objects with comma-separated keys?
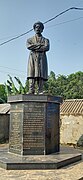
[{"x": 37, "y": 62}]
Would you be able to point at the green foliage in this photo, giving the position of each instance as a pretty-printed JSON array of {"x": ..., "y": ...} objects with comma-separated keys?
[
  {"x": 11, "y": 89},
  {"x": 50, "y": 85},
  {"x": 69, "y": 87},
  {"x": 3, "y": 96},
  {"x": 74, "y": 87},
  {"x": 21, "y": 87}
]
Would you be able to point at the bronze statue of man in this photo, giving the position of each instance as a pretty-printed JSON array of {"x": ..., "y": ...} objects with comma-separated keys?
[{"x": 37, "y": 62}]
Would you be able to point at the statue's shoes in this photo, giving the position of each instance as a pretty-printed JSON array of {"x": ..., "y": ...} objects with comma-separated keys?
[
  {"x": 42, "y": 92},
  {"x": 29, "y": 93}
]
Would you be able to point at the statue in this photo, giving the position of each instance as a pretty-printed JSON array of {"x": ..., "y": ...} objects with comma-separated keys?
[{"x": 37, "y": 62}]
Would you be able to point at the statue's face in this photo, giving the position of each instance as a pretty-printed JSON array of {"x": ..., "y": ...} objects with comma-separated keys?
[{"x": 38, "y": 29}]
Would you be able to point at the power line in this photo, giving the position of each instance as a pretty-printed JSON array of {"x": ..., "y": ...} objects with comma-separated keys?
[
  {"x": 64, "y": 22},
  {"x": 5, "y": 72},
  {"x": 72, "y": 8},
  {"x": 11, "y": 69},
  {"x": 49, "y": 20},
  {"x": 7, "y": 37},
  {"x": 5, "y": 42}
]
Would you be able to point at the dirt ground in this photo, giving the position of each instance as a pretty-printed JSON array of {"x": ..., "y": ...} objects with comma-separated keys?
[{"x": 71, "y": 172}]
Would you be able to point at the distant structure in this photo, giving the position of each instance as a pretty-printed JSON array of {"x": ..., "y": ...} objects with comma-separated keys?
[
  {"x": 4, "y": 121},
  {"x": 71, "y": 116}
]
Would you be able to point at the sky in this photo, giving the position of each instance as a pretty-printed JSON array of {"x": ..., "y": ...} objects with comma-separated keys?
[{"x": 65, "y": 34}]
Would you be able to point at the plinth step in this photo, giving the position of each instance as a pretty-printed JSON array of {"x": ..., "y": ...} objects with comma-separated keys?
[{"x": 12, "y": 161}]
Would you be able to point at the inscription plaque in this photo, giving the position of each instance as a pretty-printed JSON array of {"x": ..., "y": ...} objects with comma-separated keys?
[
  {"x": 52, "y": 128},
  {"x": 33, "y": 126},
  {"x": 15, "y": 140}
]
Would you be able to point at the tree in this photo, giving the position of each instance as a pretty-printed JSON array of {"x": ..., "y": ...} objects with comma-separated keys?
[
  {"x": 69, "y": 87},
  {"x": 74, "y": 87},
  {"x": 50, "y": 86},
  {"x": 11, "y": 88},
  {"x": 3, "y": 95}
]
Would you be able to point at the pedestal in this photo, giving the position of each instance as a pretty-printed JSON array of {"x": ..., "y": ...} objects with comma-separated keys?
[{"x": 34, "y": 124}]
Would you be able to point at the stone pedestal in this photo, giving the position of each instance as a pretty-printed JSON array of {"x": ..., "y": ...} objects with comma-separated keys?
[{"x": 34, "y": 124}]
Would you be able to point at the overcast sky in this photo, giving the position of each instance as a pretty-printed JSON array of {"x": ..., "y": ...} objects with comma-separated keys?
[{"x": 65, "y": 34}]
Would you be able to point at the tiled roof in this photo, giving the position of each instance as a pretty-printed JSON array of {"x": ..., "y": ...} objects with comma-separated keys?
[
  {"x": 72, "y": 106},
  {"x": 4, "y": 108}
]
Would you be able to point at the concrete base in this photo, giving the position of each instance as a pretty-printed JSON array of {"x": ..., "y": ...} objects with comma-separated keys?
[
  {"x": 34, "y": 124},
  {"x": 10, "y": 161}
]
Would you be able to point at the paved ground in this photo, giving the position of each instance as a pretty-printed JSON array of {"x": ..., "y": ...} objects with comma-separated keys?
[{"x": 72, "y": 172}]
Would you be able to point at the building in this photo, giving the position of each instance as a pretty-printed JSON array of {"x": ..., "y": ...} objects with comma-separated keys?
[
  {"x": 71, "y": 118},
  {"x": 4, "y": 121}
]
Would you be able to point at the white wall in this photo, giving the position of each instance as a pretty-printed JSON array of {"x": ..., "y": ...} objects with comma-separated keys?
[{"x": 71, "y": 130}]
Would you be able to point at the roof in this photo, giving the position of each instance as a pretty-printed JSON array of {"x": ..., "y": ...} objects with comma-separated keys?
[
  {"x": 4, "y": 108},
  {"x": 72, "y": 106}
]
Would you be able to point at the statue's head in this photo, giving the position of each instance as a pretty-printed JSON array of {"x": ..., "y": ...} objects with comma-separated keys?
[{"x": 38, "y": 27}]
